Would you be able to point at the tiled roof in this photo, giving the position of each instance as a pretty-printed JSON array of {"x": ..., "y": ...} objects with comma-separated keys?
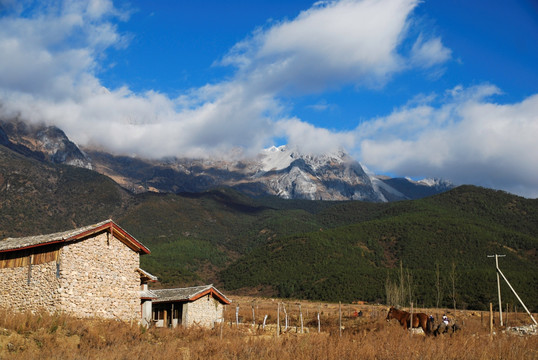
[
  {"x": 188, "y": 294},
  {"x": 11, "y": 244},
  {"x": 147, "y": 294}
]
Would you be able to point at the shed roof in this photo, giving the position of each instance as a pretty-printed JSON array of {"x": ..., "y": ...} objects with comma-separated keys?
[
  {"x": 14, "y": 244},
  {"x": 147, "y": 295},
  {"x": 188, "y": 294}
]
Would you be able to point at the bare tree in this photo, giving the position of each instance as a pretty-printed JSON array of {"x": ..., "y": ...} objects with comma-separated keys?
[
  {"x": 401, "y": 291},
  {"x": 392, "y": 290},
  {"x": 453, "y": 278},
  {"x": 410, "y": 286},
  {"x": 437, "y": 284},
  {"x": 402, "y": 284}
]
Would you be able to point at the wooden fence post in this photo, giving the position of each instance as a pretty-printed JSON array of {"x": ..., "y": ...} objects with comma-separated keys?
[
  {"x": 340, "y": 317},
  {"x": 319, "y": 318},
  {"x": 301, "y": 317},
  {"x": 411, "y": 319},
  {"x": 285, "y": 316},
  {"x": 278, "y": 320},
  {"x": 506, "y": 317},
  {"x": 491, "y": 319}
]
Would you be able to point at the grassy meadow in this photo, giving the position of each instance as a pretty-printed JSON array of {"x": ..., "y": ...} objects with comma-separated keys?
[{"x": 370, "y": 336}]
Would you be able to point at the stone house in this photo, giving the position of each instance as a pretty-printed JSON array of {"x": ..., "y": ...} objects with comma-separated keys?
[
  {"x": 200, "y": 305},
  {"x": 93, "y": 271}
]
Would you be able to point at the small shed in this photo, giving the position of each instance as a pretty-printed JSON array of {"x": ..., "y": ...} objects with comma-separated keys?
[{"x": 199, "y": 305}]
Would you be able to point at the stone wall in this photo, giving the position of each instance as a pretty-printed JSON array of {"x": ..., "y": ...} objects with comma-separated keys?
[
  {"x": 97, "y": 278},
  {"x": 204, "y": 312},
  {"x": 21, "y": 292}
]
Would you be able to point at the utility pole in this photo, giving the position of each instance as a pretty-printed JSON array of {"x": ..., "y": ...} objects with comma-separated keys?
[
  {"x": 511, "y": 288},
  {"x": 517, "y": 296},
  {"x": 496, "y": 256}
]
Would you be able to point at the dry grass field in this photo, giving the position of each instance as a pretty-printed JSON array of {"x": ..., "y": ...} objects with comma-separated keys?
[{"x": 370, "y": 336}]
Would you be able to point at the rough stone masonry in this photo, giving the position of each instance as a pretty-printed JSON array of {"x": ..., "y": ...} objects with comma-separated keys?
[{"x": 91, "y": 277}]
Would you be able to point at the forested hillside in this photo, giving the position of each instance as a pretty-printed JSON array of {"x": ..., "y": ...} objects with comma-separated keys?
[
  {"x": 454, "y": 232},
  {"x": 38, "y": 197}
]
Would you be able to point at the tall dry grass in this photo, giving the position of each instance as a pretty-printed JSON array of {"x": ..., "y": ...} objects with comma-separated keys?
[{"x": 45, "y": 336}]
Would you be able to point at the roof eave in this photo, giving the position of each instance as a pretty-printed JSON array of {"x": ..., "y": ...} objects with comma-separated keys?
[
  {"x": 32, "y": 246},
  {"x": 108, "y": 225},
  {"x": 114, "y": 230},
  {"x": 211, "y": 291}
]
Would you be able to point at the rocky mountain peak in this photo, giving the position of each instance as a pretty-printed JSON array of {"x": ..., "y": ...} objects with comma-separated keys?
[
  {"x": 42, "y": 142},
  {"x": 278, "y": 158}
]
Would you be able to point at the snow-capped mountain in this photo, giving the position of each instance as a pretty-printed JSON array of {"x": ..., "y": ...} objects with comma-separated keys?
[
  {"x": 281, "y": 171},
  {"x": 333, "y": 176}
]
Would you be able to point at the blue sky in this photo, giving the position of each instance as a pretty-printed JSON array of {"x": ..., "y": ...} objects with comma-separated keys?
[{"x": 409, "y": 88}]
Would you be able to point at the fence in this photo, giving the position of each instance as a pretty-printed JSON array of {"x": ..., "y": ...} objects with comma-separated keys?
[
  {"x": 299, "y": 317},
  {"x": 307, "y": 317}
]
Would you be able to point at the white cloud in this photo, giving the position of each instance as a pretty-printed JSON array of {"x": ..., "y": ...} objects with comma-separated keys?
[
  {"x": 429, "y": 53},
  {"x": 55, "y": 52},
  {"x": 322, "y": 105},
  {"x": 52, "y": 51},
  {"x": 468, "y": 139},
  {"x": 310, "y": 139},
  {"x": 331, "y": 44}
]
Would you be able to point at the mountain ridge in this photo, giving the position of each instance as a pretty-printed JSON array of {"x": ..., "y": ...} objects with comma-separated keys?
[
  {"x": 281, "y": 171},
  {"x": 298, "y": 176}
]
